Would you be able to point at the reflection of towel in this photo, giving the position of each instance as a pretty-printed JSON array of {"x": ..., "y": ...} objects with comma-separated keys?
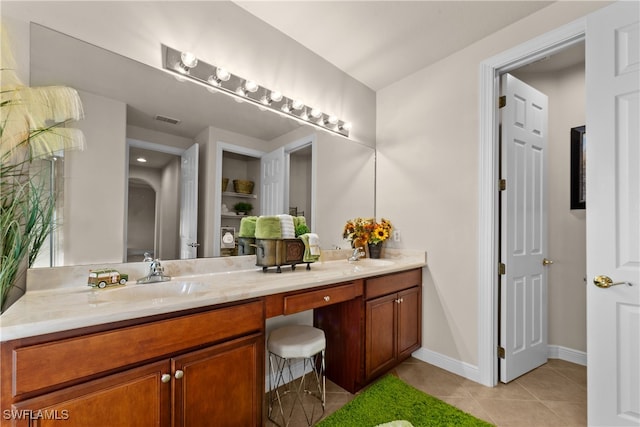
[
  {"x": 268, "y": 227},
  {"x": 248, "y": 226},
  {"x": 299, "y": 220},
  {"x": 286, "y": 226},
  {"x": 311, "y": 247}
]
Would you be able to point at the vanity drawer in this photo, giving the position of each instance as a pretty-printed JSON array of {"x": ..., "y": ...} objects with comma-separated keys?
[
  {"x": 320, "y": 298},
  {"x": 39, "y": 366},
  {"x": 390, "y": 283}
]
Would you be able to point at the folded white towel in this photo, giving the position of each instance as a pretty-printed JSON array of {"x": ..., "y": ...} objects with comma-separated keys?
[
  {"x": 286, "y": 226},
  {"x": 314, "y": 244}
]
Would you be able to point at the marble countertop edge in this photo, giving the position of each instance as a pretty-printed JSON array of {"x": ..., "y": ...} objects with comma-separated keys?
[{"x": 58, "y": 309}]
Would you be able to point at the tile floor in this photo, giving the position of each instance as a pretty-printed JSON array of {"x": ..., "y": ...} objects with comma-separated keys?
[{"x": 555, "y": 394}]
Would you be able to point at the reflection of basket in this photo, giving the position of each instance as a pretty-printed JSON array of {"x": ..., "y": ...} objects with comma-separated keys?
[
  {"x": 241, "y": 186},
  {"x": 225, "y": 182}
]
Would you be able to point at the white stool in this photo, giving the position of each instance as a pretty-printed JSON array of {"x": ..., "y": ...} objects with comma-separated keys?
[{"x": 288, "y": 343}]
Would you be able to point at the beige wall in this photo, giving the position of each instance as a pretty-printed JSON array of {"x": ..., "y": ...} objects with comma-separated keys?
[
  {"x": 567, "y": 232},
  {"x": 102, "y": 202},
  {"x": 220, "y": 33},
  {"x": 427, "y": 176}
]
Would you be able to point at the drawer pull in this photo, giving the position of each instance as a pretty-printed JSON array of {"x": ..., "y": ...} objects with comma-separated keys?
[
  {"x": 327, "y": 298},
  {"x": 179, "y": 374},
  {"x": 165, "y": 378}
]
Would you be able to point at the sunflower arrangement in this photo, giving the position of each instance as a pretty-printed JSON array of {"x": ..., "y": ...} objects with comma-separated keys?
[{"x": 362, "y": 231}]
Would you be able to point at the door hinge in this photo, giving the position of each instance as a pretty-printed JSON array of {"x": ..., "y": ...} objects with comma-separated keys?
[
  {"x": 502, "y": 185},
  {"x": 502, "y": 101},
  {"x": 501, "y": 352},
  {"x": 502, "y": 269}
]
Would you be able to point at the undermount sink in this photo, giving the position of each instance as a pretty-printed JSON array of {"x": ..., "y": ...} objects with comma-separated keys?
[
  {"x": 372, "y": 262},
  {"x": 152, "y": 291}
]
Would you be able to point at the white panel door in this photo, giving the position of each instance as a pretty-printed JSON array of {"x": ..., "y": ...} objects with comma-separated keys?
[
  {"x": 613, "y": 214},
  {"x": 272, "y": 167},
  {"x": 189, "y": 203},
  {"x": 523, "y": 287}
]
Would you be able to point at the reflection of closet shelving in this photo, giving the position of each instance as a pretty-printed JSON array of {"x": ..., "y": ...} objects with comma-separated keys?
[
  {"x": 229, "y": 195},
  {"x": 242, "y": 195}
]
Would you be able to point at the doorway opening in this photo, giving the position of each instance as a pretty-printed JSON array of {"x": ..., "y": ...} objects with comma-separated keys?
[
  {"x": 490, "y": 72},
  {"x": 562, "y": 78}
]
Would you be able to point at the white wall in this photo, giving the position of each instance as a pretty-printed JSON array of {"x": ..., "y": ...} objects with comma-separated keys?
[
  {"x": 427, "y": 172},
  {"x": 567, "y": 228}
]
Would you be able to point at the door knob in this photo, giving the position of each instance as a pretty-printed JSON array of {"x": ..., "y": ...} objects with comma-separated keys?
[
  {"x": 546, "y": 261},
  {"x": 165, "y": 378},
  {"x": 606, "y": 282},
  {"x": 179, "y": 374}
]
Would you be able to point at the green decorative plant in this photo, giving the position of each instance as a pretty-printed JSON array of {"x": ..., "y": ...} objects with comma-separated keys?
[
  {"x": 243, "y": 207},
  {"x": 32, "y": 127},
  {"x": 302, "y": 229}
]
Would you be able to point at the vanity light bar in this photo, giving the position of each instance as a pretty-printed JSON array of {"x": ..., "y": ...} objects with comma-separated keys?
[{"x": 187, "y": 66}]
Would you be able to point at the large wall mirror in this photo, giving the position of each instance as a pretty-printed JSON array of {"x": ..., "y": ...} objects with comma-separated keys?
[{"x": 115, "y": 209}]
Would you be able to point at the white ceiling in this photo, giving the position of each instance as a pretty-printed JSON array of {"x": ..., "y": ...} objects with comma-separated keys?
[{"x": 379, "y": 42}]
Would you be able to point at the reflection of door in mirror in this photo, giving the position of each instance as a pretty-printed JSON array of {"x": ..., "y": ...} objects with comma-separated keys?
[
  {"x": 141, "y": 220},
  {"x": 300, "y": 183},
  {"x": 154, "y": 230}
]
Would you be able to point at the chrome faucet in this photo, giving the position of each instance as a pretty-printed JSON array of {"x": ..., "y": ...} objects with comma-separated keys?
[
  {"x": 357, "y": 254},
  {"x": 156, "y": 272}
]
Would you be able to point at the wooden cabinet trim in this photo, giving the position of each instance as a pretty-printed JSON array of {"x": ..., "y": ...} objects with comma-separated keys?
[
  {"x": 106, "y": 351},
  {"x": 394, "y": 282}
]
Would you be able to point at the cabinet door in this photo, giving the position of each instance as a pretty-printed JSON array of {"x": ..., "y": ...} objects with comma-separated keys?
[
  {"x": 409, "y": 322},
  {"x": 381, "y": 329},
  {"x": 133, "y": 398},
  {"x": 220, "y": 385}
]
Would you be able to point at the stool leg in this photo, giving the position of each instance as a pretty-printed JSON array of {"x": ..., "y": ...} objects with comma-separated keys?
[{"x": 276, "y": 372}]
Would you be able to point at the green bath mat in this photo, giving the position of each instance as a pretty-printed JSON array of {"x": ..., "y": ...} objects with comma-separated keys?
[{"x": 390, "y": 399}]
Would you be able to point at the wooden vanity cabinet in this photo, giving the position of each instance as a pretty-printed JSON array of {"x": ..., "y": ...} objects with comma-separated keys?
[
  {"x": 369, "y": 335},
  {"x": 199, "y": 369},
  {"x": 393, "y": 313}
]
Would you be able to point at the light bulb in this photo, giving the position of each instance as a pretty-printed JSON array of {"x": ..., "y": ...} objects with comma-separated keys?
[
  {"x": 251, "y": 86},
  {"x": 297, "y": 104},
  {"x": 223, "y": 74},
  {"x": 346, "y": 126},
  {"x": 276, "y": 96},
  {"x": 316, "y": 113},
  {"x": 188, "y": 59}
]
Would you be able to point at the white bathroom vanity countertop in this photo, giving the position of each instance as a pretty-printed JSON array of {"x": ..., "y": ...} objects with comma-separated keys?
[{"x": 69, "y": 304}]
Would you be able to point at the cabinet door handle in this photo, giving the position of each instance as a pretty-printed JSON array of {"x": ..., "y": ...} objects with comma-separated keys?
[
  {"x": 165, "y": 378},
  {"x": 327, "y": 298},
  {"x": 179, "y": 374}
]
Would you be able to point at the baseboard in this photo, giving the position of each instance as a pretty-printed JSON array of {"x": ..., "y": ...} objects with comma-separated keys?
[
  {"x": 472, "y": 372},
  {"x": 568, "y": 354},
  {"x": 447, "y": 363}
]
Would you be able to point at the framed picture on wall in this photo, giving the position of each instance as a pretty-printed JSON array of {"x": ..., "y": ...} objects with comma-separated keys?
[{"x": 578, "y": 168}]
